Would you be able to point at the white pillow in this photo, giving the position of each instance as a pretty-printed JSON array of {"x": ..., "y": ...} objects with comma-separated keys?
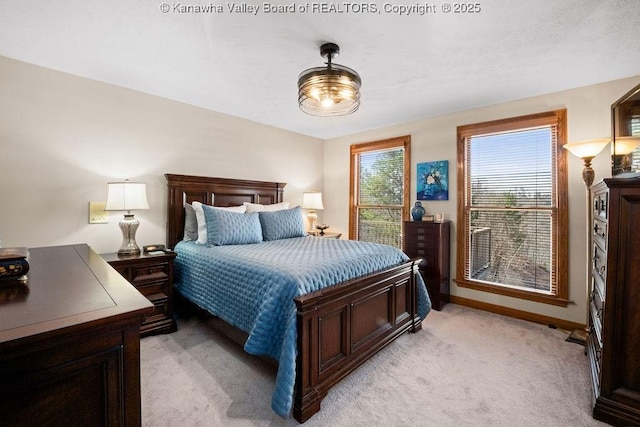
[
  {"x": 255, "y": 207},
  {"x": 202, "y": 222}
]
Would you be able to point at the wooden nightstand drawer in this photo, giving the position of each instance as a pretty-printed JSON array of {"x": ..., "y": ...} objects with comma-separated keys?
[
  {"x": 152, "y": 288},
  {"x": 152, "y": 272},
  {"x": 159, "y": 306}
]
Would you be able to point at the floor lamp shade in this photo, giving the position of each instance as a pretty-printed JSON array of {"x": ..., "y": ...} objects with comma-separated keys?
[
  {"x": 127, "y": 196},
  {"x": 587, "y": 150}
]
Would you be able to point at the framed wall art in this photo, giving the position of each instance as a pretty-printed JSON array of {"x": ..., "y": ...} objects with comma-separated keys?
[{"x": 433, "y": 180}]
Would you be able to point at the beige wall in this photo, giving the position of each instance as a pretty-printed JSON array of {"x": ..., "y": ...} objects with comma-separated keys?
[
  {"x": 62, "y": 138},
  {"x": 588, "y": 112}
]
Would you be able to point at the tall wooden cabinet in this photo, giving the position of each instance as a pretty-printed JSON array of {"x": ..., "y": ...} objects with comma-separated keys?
[
  {"x": 613, "y": 345},
  {"x": 430, "y": 241}
]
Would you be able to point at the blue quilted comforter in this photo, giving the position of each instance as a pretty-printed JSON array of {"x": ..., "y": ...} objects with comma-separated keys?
[{"x": 252, "y": 287}]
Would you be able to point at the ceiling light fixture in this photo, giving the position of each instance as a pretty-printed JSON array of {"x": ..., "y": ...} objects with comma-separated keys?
[{"x": 333, "y": 90}]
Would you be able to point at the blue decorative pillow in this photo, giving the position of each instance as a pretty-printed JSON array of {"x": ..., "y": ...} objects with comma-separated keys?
[
  {"x": 282, "y": 224},
  {"x": 231, "y": 228},
  {"x": 202, "y": 222}
]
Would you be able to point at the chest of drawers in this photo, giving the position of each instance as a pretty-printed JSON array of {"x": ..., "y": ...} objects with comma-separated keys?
[
  {"x": 430, "y": 241},
  {"x": 613, "y": 344}
]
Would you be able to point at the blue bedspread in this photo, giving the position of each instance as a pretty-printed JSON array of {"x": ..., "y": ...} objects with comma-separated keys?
[{"x": 257, "y": 297}]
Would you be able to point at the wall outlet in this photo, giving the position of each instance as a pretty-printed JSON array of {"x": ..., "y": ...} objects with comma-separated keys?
[{"x": 97, "y": 214}]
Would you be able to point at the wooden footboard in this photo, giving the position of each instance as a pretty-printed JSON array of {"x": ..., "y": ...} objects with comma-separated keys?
[{"x": 340, "y": 327}]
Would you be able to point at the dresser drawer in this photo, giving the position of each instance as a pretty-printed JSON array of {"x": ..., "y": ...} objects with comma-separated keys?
[
  {"x": 597, "y": 287},
  {"x": 600, "y": 233},
  {"x": 594, "y": 350},
  {"x": 599, "y": 264},
  {"x": 600, "y": 205},
  {"x": 428, "y": 234},
  {"x": 596, "y": 312}
]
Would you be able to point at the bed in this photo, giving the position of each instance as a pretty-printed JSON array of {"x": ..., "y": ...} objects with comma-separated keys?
[{"x": 332, "y": 329}]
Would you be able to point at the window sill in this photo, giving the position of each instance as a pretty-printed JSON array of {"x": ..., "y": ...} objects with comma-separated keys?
[{"x": 515, "y": 293}]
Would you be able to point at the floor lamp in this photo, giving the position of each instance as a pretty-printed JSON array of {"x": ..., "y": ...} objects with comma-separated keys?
[{"x": 586, "y": 150}]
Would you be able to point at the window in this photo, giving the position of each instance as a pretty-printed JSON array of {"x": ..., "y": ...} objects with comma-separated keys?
[
  {"x": 512, "y": 207},
  {"x": 379, "y": 190}
]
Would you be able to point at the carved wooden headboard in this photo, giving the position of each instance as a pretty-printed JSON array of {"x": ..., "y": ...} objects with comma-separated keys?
[{"x": 183, "y": 189}]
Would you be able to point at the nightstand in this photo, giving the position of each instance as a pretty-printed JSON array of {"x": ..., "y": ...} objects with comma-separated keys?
[
  {"x": 152, "y": 276},
  {"x": 328, "y": 235}
]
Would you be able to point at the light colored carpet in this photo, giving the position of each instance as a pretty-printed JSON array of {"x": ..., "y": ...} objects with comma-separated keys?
[{"x": 466, "y": 367}]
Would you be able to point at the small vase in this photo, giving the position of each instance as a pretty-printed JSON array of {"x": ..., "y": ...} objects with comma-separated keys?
[{"x": 417, "y": 211}]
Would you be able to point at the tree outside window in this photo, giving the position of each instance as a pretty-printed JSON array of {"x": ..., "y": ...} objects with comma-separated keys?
[{"x": 379, "y": 190}]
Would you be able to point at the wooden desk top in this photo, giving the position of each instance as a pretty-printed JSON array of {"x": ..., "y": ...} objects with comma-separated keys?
[{"x": 67, "y": 287}]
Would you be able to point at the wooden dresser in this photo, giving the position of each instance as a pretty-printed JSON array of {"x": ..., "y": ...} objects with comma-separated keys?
[
  {"x": 430, "y": 241},
  {"x": 70, "y": 346},
  {"x": 613, "y": 345},
  {"x": 152, "y": 275}
]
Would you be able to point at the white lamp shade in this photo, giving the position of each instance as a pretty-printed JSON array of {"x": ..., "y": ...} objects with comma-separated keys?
[
  {"x": 312, "y": 200},
  {"x": 126, "y": 196},
  {"x": 626, "y": 144},
  {"x": 587, "y": 148}
]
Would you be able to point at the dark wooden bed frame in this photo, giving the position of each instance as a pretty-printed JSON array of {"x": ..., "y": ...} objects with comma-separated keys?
[{"x": 339, "y": 327}]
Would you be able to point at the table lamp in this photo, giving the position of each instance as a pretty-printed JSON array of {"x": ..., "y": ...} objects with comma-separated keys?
[
  {"x": 312, "y": 201},
  {"x": 127, "y": 196}
]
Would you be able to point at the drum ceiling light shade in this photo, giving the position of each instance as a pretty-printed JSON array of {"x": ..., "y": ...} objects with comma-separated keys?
[{"x": 333, "y": 90}]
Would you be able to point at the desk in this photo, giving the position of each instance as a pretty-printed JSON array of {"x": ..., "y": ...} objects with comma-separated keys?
[{"x": 70, "y": 347}]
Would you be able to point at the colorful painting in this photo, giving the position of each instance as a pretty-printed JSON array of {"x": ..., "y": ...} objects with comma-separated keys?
[{"x": 433, "y": 180}]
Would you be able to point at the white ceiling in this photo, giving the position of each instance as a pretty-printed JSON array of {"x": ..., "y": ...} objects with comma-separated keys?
[{"x": 412, "y": 67}]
